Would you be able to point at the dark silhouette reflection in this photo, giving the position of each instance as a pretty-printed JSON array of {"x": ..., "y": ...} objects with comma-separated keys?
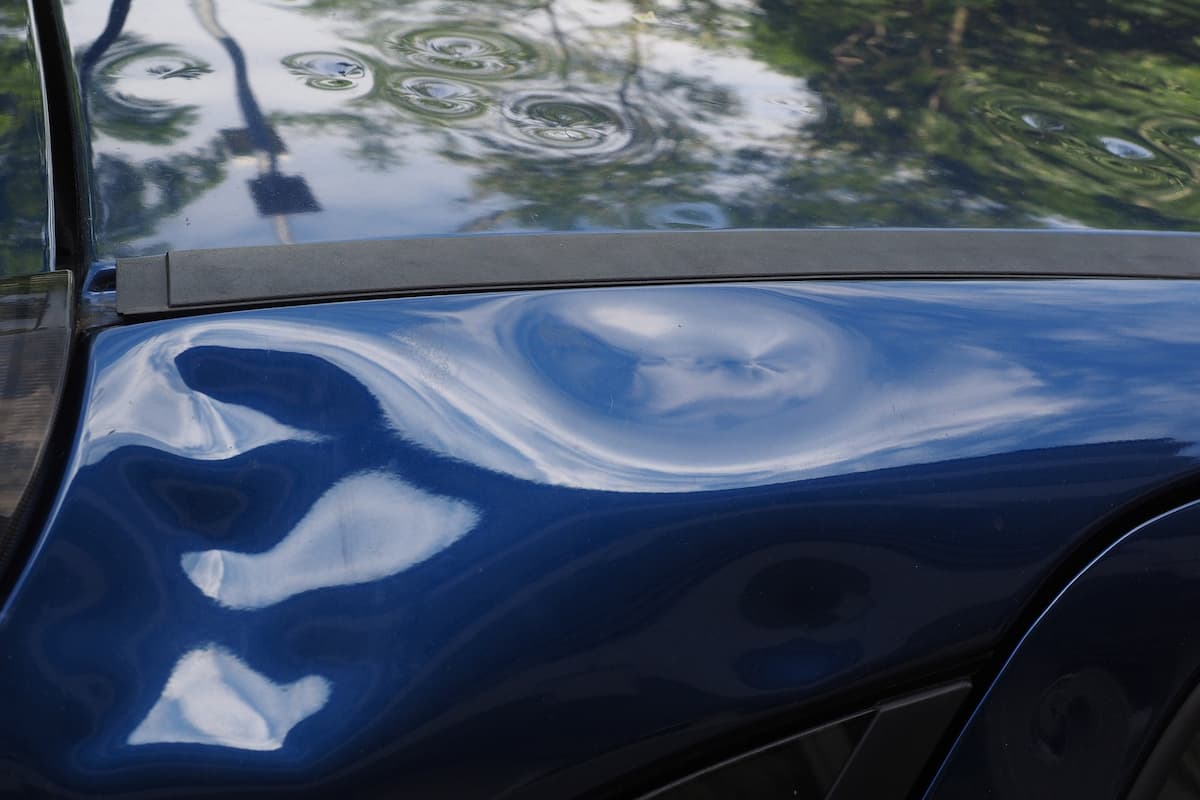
[
  {"x": 806, "y": 593},
  {"x": 275, "y": 195},
  {"x": 430, "y": 117},
  {"x": 123, "y": 60}
]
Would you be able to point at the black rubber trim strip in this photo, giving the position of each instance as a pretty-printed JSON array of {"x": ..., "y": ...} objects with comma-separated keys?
[
  {"x": 189, "y": 280},
  {"x": 68, "y": 141},
  {"x": 51, "y": 254},
  {"x": 895, "y": 749},
  {"x": 884, "y": 764},
  {"x": 754, "y": 763},
  {"x": 1179, "y": 733}
]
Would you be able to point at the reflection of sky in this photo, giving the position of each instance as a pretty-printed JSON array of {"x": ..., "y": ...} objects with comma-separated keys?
[
  {"x": 428, "y": 184},
  {"x": 695, "y": 388},
  {"x": 365, "y": 528},
  {"x": 178, "y": 420},
  {"x": 575, "y": 115},
  {"x": 214, "y": 698}
]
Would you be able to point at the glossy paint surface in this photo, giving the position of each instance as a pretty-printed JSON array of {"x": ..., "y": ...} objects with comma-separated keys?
[
  {"x": 245, "y": 122},
  {"x": 522, "y": 543},
  {"x": 24, "y": 172},
  {"x": 1077, "y": 707}
]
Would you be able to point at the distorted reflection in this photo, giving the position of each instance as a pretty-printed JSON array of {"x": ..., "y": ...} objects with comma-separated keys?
[
  {"x": 428, "y": 117},
  {"x": 686, "y": 388},
  {"x": 212, "y": 697},
  {"x": 276, "y": 195},
  {"x": 176, "y": 419},
  {"x": 365, "y": 528}
]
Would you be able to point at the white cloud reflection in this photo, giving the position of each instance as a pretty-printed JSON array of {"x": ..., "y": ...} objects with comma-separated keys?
[
  {"x": 661, "y": 390},
  {"x": 365, "y": 528},
  {"x": 142, "y": 400},
  {"x": 212, "y": 697}
]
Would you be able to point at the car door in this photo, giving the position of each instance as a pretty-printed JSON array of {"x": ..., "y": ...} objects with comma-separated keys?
[{"x": 597, "y": 400}]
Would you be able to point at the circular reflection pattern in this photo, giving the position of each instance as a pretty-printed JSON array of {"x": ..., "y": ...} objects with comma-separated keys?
[
  {"x": 472, "y": 54},
  {"x": 1124, "y": 149},
  {"x": 1176, "y": 138},
  {"x": 176, "y": 67},
  {"x": 1020, "y": 118},
  {"x": 327, "y": 71},
  {"x": 143, "y": 65},
  {"x": 1075, "y": 144},
  {"x": 1038, "y": 121},
  {"x": 437, "y": 97},
  {"x": 568, "y": 124},
  {"x": 645, "y": 390}
]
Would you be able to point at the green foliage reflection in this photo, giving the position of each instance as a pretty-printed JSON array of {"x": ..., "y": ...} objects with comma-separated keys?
[{"x": 23, "y": 191}]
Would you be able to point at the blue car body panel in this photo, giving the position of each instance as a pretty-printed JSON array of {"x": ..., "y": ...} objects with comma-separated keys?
[
  {"x": 1076, "y": 708},
  {"x": 476, "y": 545},
  {"x": 532, "y": 544}
]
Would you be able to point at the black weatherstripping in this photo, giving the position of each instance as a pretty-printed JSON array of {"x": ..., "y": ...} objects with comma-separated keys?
[
  {"x": 182, "y": 282},
  {"x": 35, "y": 340},
  {"x": 69, "y": 153},
  {"x": 878, "y": 753}
]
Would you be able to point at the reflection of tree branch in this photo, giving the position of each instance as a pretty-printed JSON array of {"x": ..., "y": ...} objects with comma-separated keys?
[
  {"x": 559, "y": 37},
  {"x": 1146, "y": 132},
  {"x": 633, "y": 72},
  {"x": 958, "y": 27},
  {"x": 118, "y": 12}
]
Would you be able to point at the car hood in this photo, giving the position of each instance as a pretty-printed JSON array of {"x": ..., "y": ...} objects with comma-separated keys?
[{"x": 218, "y": 123}]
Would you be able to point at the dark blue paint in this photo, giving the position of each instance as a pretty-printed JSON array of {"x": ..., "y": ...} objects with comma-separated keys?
[
  {"x": 1076, "y": 708},
  {"x": 530, "y": 541}
]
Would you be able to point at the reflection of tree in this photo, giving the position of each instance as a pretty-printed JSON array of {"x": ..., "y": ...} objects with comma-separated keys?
[
  {"x": 131, "y": 118},
  {"x": 1017, "y": 106},
  {"x": 664, "y": 156},
  {"x": 23, "y": 194},
  {"x": 137, "y": 195},
  {"x": 134, "y": 196},
  {"x": 567, "y": 115}
]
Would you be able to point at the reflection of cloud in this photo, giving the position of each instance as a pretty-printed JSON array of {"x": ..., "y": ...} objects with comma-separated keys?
[
  {"x": 170, "y": 416},
  {"x": 670, "y": 389},
  {"x": 365, "y": 528},
  {"x": 213, "y": 698}
]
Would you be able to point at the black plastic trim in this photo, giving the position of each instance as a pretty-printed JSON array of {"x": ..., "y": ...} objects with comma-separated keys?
[
  {"x": 896, "y": 748},
  {"x": 1171, "y": 744},
  {"x": 192, "y": 280},
  {"x": 70, "y": 187},
  {"x": 729, "y": 777},
  {"x": 889, "y": 756}
]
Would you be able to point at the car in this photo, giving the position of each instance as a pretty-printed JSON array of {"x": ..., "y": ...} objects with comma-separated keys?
[{"x": 665, "y": 399}]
